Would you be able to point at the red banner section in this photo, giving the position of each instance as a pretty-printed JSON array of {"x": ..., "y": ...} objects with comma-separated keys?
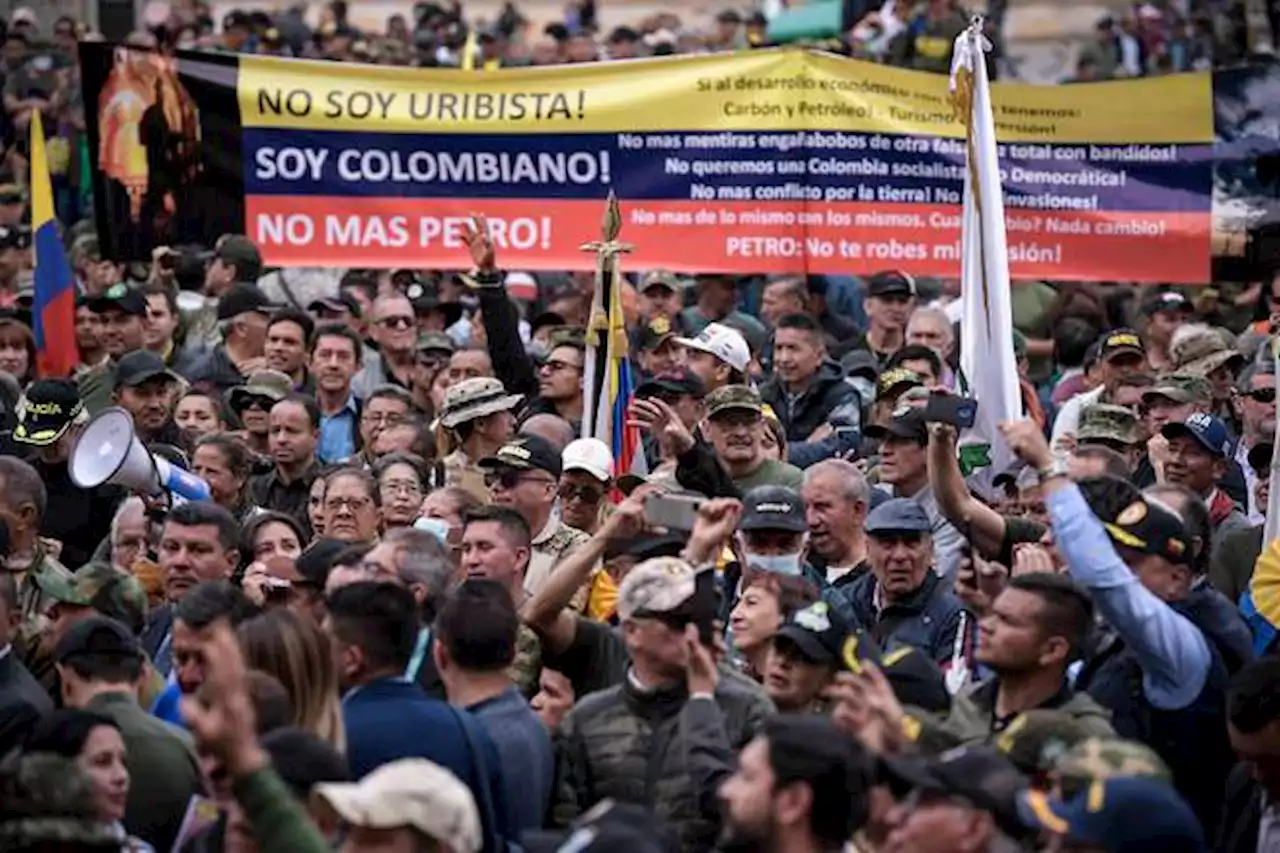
[{"x": 740, "y": 237}]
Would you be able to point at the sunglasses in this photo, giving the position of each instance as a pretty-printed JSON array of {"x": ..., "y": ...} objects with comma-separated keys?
[
  {"x": 509, "y": 479},
  {"x": 396, "y": 322},
  {"x": 586, "y": 494},
  {"x": 1262, "y": 395},
  {"x": 262, "y": 403}
]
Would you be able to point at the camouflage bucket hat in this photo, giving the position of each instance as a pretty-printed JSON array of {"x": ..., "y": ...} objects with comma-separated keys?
[
  {"x": 476, "y": 398},
  {"x": 102, "y": 587},
  {"x": 1180, "y": 387},
  {"x": 1203, "y": 352},
  {"x": 1104, "y": 422},
  {"x": 733, "y": 397},
  {"x": 1097, "y": 759}
]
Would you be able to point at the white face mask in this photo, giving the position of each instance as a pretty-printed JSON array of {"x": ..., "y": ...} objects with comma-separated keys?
[
  {"x": 781, "y": 564},
  {"x": 437, "y": 527}
]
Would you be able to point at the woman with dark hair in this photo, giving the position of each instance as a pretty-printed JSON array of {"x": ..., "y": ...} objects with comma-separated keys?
[
  {"x": 94, "y": 742},
  {"x": 225, "y": 463},
  {"x": 197, "y": 415},
  {"x": 17, "y": 350},
  {"x": 271, "y": 534},
  {"x": 401, "y": 477}
]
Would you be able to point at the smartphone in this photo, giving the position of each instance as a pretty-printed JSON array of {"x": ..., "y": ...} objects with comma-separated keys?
[
  {"x": 674, "y": 512},
  {"x": 960, "y": 412}
]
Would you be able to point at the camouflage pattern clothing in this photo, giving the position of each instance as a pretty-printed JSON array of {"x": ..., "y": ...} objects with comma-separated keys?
[
  {"x": 462, "y": 472},
  {"x": 35, "y": 602},
  {"x": 1103, "y": 422},
  {"x": 549, "y": 547},
  {"x": 656, "y": 748},
  {"x": 525, "y": 671},
  {"x": 1099, "y": 758}
]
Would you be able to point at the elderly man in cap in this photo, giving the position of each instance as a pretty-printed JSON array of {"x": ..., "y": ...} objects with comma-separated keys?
[
  {"x": 902, "y": 599},
  {"x": 410, "y": 804},
  {"x": 524, "y": 474},
  {"x": 1198, "y": 460},
  {"x": 123, "y": 312},
  {"x": 252, "y": 402},
  {"x": 50, "y": 416},
  {"x": 1120, "y": 354},
  {"x": 480, "y": 415},
  {"x": 630, "y": 742},
  {"x": 243, "y": 313},
  {"x": 146, "y": 389}
]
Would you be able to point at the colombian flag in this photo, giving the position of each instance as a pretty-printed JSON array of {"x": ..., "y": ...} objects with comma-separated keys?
[{"x": 54, "y": 311}]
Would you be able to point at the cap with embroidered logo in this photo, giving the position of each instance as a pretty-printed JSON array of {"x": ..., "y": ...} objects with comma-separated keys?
[
  {"x": 773, "y": 508},
  {"x": 527, "y": 453},
  {"x": 1209, "y": 432},
  {"x": 47, "y": 410},
  {"x": 1121, "y": 342},
  {"x": 119, "y": 297},
  {"x": 724, "y": 343}
]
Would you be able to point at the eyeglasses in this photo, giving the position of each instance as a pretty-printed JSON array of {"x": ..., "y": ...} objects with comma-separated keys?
[
  {"x": 352, "y": 505},
  {"x": 402, "y": 487},
  {"x": 738, "y": 418},
  {"x": 1262, "y": 395},
  {"x": 586, "y": 494},
  {"x": 383, "y": 418},
  {"x": 509, "y": 479},
  {"x": 555, "y": 365},
  {"x": 400, "y": 322}
]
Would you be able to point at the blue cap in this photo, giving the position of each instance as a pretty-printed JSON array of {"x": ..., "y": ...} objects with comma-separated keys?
[
  {"x": 1133, "y": 815},
  {"x": 1206, "y": 429},
  {"x": 898, "y": 515}
]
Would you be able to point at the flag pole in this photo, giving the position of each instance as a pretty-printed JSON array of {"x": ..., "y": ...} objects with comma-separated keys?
[{"x": 603, "y": 325}]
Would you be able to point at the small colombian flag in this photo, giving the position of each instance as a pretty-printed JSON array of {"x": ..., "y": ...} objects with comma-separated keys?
[{"x": 54, "y": 311}]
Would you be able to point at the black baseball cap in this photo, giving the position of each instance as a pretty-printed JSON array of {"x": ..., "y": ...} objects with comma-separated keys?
[
  {"x": 526, "y": 453},
  {"x": 646, "y": 546},
  {"x": 980, "y": 775},
  {"x": 1121, "y": 342},
  {"x": 344, "y": 301},
  {"x": 657, "y": 330},
  {"x": 773, "y": 508},
  {"x": 139, "y": 366},
  {"x": 817, "y": 632},
  {"x": 907, "y": 422},
  {"x": 119, "y": 297},
  {"x": 46, "y": 411},
  {"x": 891, "y": 283},
  {"x": 1149, "y": 527},
  {"x": 1166, "y": 300},
  {"x": 97, "y": 636},
  {"x": 679, "y": 382},
  {"x": 243, "y": 298}
]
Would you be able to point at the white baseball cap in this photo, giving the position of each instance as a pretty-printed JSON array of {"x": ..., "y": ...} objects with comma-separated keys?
[
  {"x": 411, "y": 792},
  {"x": 724, "y": 343},
  {"x": 591, "y": 455}
]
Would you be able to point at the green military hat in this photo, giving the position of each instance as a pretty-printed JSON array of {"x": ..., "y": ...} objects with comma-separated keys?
[
  {"x": 1202, "y": 351},
  {"x": 734, "y": 397},
  {"x": 1105, "y": 422},
  {"x": 896, "y": 380},
  {"x": 104, "y": 588},
  {"x": 1037, "y": 739},
  {"x": 1098, "y": 759},
  {"x": 1180, "y": 387}
]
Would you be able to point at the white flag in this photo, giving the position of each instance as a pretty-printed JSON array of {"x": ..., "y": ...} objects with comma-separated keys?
[{"x": 988, "y": 369}]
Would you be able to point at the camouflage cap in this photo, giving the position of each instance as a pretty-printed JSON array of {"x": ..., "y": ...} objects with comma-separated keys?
[
  {"x": 102, "y": 587},
  {"x": 733, "y": 397},
  {"x": 1180, "y": 387},
  {"x": 660, "y": 585},
  {"x": 1035, "y": 740},
  {"x": 1104, "y": 422},
  {"x": 1201, "y": 351},
  {"x": 1098, "y": 758}
]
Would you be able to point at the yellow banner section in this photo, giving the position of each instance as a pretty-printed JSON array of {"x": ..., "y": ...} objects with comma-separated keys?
[{"x": 783, "y": 89}]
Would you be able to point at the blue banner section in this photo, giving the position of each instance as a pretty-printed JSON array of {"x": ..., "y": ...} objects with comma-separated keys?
[{"x": 723, "y": 166}]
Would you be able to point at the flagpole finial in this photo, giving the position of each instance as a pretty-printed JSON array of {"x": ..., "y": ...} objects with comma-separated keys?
[{"x": 608, "y": 247}]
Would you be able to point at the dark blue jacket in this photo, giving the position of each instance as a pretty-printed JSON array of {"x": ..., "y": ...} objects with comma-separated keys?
[
  {"x": 928, "y": 620},
  {"x": 1191, "y": 740},
  {"x": 390, "y": 719},
  {"x": 827, "y": 394}
]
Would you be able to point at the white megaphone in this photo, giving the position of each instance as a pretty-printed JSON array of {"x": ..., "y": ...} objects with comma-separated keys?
[{"x": 108, "y": 451}]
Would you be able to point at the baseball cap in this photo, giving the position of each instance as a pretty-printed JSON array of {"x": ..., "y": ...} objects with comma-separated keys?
[
  {"x": 733, "y": 397},
  {"x": 860, "y": 363},
  {"x": 436, "y": 342},
  {"x": 891, "y": 283},
  {"x": 344, "y": 301},
  {"x": 655, "y": 331},
  {"x": 1102, "y": 758},
  {"x": 1207, "y": 430},
  {"x": 100, "y": 586},
  {"x": 1165, "y": 300},
  {"x": 1121, "y": 814},
  {"x": 608, "y": 827},
  {"x": 141, "y": 365},
  {"x": 907, "y": 422},
  {"x": 898, "y": 515},
  {"x": 1180, "y": 388},
  {"x": 1201, "y": 351},
  {"x": 773, "y": 508},
  {"x": 528, "y": 453},
  {"x": 679, "y": 382},
  {"x": 724, "y": 343},
  {"x": 272, "y": 384},
  {"x": 411, "y": 792},
  {"x": 657, "y": 587},
  {"x": 1150, "y": 528},
  {"x": 1121, "y": 342},
  {"x": 818, "y": 632},
  {"x": 476, "y": 398},
  {"x": 590, "y": 455},
  {"x": 1105, "y": 422},
  {"x": 662, "y": 278},
  {"x": 1036, "y": 739},
  {"x": 978, "y": 774},
  {"x": 47, "y": 410},
  {"x": 896, "y": 380},
  {"x": 96, "y": 636},
  {"x": 646, "y": 546},
  {"x": 238, "y": 250},
  {"x": 243, "y": 298},
  {"x": 119, "y": 297}
]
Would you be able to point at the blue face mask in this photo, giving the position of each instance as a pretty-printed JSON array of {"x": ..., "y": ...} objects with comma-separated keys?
[
  {"x": 781, "y": 564},
  {"x": 437, "y": 527}
]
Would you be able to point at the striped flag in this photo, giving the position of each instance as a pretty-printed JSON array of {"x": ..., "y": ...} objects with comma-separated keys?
[
  {"x": 988, "y": 368},
  {"x": 607, "y": 381},
  {"x": 54, "y": 309}
]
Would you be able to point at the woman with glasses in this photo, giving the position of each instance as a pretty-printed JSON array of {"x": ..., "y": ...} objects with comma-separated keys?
[
  {"x": 352, "y": 506},
  {"x": 400, "y": 483}
]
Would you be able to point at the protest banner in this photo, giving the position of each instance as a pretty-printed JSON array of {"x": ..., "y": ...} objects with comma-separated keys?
[{"x": 769, "y": 161}]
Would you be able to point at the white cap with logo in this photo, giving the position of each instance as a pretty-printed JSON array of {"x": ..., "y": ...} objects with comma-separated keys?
[
  {"x": 591, "y": 455},
  {"x": 724, "y": 343}
]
